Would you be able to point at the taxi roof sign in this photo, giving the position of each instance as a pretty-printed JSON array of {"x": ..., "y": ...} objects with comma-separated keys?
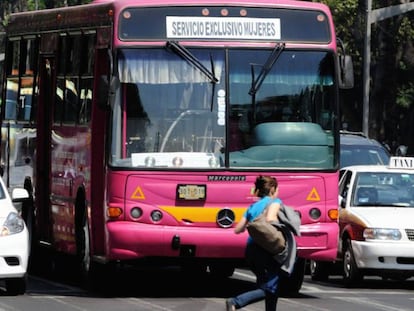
[{"x": 402, "y": 162}]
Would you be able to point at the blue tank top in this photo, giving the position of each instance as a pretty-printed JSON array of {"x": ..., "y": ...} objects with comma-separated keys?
[{"x": 257, "y": 208}]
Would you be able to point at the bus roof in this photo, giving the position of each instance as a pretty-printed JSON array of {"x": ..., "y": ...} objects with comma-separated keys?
[
  {"x": 282, "y": 3},
  {"x": 60, "y": 18},
  {"x": 100, "y": 12}
]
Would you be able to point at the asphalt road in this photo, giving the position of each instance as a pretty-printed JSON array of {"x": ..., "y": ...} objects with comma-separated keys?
[{"x": 169, "y": 290}]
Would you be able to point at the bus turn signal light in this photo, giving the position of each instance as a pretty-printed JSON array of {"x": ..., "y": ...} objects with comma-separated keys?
[
  {"x": 114, "y": 212},
  {"x": 333, "y": 214}
]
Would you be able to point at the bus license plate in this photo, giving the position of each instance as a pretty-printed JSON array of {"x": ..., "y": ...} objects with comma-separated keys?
[{"x": 191, "y": 192}]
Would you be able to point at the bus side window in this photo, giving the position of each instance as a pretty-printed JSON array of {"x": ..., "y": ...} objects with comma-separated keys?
[
  {"x": 71, "y": 100},
  {"x": 20, "y": 95},
  {"x": 11, "y": 99},
  {"x": 85, "y": 102},
  {"x": 76, "y": 68},
  {"x": 87, "y": 60}
]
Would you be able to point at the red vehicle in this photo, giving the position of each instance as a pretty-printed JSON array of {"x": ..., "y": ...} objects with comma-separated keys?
[{"x": 139, "y": 127}]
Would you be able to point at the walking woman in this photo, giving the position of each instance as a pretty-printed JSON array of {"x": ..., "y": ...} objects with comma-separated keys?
[{"x": 261, "y": 262}]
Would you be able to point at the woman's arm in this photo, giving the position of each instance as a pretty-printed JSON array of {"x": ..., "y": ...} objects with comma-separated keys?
[
  {"x": 272, "y": 212},
  {"x": 241, "y": 225}
]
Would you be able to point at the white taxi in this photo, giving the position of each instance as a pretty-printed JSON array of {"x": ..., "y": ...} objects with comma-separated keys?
[
  {"x": 376, "y": 220},
  {"x": 14, "y": 241}
]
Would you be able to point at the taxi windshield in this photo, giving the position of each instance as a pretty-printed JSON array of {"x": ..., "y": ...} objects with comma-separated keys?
[{"x": 384, "y": 189}]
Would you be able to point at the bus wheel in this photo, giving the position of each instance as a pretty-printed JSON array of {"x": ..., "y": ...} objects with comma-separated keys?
[
  {"x": 221, "y": 270},
  {"x": 291, "y": 285},
  {"x": 319, "y": 270},
  {"x": 192, "y": 269},
  {"x": 83, "y": 257}
]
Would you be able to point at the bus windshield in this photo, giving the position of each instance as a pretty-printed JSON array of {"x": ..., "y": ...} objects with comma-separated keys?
[{"x": 170, "y": 109}]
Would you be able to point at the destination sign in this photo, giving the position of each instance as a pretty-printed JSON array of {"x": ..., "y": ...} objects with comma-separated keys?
[
  {"x": 223, "y": 27},
  {"x": 189, "y": 22}
]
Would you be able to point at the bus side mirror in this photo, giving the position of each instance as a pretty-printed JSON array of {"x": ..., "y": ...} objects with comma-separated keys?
[
  {"x": 346, "y": 72},
  {"x": 345, "y": 67}
]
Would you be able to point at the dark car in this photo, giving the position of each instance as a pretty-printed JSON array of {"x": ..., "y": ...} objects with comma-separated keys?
[{"x": 357, "y": 149}]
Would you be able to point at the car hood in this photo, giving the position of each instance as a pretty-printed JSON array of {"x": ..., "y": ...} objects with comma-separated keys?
[{"x": 386, "y": 217}]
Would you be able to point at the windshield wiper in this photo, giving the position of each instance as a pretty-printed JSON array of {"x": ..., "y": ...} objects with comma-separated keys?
[
  {"x": 186, "y": 54},
  {"x": 256, "y": 83}
]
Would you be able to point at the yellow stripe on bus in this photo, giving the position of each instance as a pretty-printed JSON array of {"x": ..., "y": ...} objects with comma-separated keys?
[{"x": 199, "y": 214}]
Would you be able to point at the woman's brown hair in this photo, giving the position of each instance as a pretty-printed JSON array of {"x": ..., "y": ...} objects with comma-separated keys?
[{"x": 265, "y": 185}]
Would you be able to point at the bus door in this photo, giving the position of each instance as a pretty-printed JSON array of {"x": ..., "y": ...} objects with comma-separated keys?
[{"x": 43, "y": 149}]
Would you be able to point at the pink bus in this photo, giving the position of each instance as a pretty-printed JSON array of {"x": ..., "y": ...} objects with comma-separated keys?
[{"x": 139, "y": 127}]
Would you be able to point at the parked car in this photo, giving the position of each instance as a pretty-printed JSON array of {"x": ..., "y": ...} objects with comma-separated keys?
[
  {"x": 358, "y": 149},
  {"x": 376, "y": 212},
  {"x": 14, "y": 241}
]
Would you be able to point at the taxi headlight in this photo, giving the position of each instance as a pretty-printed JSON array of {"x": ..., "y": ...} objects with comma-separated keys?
[
  {"x": 382, "y": 234},
  {"x": 13, "y": 224}
]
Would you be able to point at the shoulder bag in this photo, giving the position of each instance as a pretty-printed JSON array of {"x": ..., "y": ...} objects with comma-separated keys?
[{"x": 266, "y": 235}]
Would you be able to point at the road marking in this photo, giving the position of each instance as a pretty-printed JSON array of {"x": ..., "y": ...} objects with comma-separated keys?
[
  {"x": 305, "y": 306},
  {"x": 140, "y": 302},
  {"x": 370, "y": 302}
]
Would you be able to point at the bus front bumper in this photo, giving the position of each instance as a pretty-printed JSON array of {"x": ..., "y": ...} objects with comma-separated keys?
[
  {"x": 129, "y": 240},
  {"x": 318, "y": 241}
]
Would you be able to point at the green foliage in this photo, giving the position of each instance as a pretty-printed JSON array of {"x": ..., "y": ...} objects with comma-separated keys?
[{"x": 405, "y": 96}]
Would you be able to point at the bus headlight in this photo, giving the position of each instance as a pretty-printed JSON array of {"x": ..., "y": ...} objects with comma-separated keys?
[
  {"x": 136, "y": 212},
  {"x": 382, "y": 234},
  {"x": 156, "y": 216},
  {"x": 314, "y": 213}
]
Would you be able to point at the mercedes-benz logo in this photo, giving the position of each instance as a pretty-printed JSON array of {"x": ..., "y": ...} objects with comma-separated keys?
[{"x": 225, "y": 218}]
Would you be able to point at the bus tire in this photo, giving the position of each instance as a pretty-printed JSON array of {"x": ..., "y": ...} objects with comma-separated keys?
[
  {"x": 291, "y": 285},
  {"x": 221, "y": 270},
  {"x": 319, "y": 270},
  {"x": 83, "y": 256}
]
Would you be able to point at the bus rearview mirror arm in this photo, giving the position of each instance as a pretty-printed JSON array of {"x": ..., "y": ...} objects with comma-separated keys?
[{"x": 107, "y": 91}]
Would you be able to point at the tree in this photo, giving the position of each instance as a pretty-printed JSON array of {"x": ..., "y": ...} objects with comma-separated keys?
[{"x": 392, "y": 70}]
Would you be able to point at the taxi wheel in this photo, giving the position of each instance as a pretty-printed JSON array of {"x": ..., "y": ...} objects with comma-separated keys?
[{"x": 351, "y": 272}]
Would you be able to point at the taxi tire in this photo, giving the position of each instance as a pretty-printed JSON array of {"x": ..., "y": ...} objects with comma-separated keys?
[{"x": 351, "y": 273}]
